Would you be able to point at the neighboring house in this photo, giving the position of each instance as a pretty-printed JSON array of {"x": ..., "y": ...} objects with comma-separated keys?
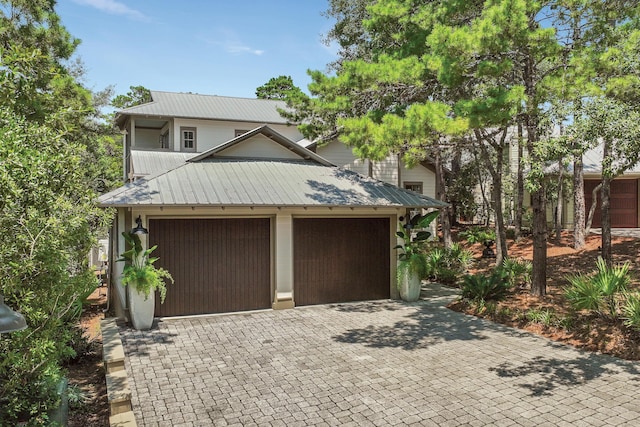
[
  {"x": 251, "y": 219},
  {"x": 625, "y": 191},
  {"x": 421, "y": 178}
]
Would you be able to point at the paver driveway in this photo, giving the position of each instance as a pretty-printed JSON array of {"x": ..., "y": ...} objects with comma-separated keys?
[{"x": 372, "y": 363}]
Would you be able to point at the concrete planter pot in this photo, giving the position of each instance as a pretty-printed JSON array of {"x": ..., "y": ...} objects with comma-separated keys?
[
  {"x": 410, "y": 286},
  {"x": 141, "y": 308}
]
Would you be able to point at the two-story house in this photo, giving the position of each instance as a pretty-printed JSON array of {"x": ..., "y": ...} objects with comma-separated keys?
[{"x": 247, "y": 217}]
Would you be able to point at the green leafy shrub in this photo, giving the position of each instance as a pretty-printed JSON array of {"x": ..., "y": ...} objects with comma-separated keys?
[
  {"x": 477, "y": 234},
  {"x": 80, "y": 345},
  {"x": 631, "y": 310},
  {"x": 480, "y": 287},
  {"x": 49, "y": 222},
  {"x": 517, "y": 271},
  {"x": 601, "y": 291},
  {"x": 447, "y": 265},
  {"x": 77, "y": 398}
]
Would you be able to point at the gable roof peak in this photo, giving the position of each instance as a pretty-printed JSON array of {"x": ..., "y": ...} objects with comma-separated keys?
[{"x": 270, "y": 133}]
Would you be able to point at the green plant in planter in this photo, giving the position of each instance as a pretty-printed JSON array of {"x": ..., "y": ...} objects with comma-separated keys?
[
  {"x": 140, "y": 271},
  {"x": 412, "y": 259}
]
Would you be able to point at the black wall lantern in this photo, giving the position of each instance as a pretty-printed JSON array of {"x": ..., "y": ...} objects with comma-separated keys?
[{"x": 139, "y": 229}]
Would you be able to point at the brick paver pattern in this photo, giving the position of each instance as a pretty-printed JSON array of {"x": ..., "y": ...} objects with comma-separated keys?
[{"x": 373, "y": 363}]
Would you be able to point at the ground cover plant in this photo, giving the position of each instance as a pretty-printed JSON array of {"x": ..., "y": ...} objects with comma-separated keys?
[{"x": 609, "y": 324}]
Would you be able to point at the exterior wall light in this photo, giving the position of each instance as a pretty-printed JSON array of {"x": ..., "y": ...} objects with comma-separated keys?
[
  {"x": 139, "y": 229},
  {"x": 10, "y": 321}
]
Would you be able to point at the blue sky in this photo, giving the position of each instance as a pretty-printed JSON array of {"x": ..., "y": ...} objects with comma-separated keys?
[{"x": 217, "y": 47}]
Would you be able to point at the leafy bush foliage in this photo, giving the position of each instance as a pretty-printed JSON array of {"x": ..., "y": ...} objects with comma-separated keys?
[
  {"x": 447, "y": 265},
  {"x": 480, "y": 287},
  {"x": 601, "y": 291},
  {"x": 80, "y": 345},
  {"x": 517, "y": 271},
  {"x": 477, "y": 234},
  {"x": 48, "y": 219}
]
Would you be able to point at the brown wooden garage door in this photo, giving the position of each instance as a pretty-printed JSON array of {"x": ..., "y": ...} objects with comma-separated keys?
[
  {"x": 624, "y": 202},
  {"x": 341, "y": 259},
  {"x": 219, "y": 265}
]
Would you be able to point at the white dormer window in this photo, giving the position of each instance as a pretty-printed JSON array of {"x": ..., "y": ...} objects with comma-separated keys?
[{"x": 188, "y": 139}]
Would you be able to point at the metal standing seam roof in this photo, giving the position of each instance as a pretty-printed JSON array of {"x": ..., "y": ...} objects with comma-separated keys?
[
  {"x": 212, "y": 107},
  {"x": 153, "y": 162},
  {"x": 592, "y": 164},
  {"x": 592, "y": 161},
  {"x": 263, "y": 182}
]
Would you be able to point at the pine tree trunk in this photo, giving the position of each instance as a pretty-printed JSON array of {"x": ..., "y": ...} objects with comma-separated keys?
[
  {"x": 559, "y": 207},
  {"x": 539, "y": 228},
  {"x": 455, "y": 172},
  {"x": 519, "y": 186},
  {"x": 496, "y": 195},
  {"x": 592, "y": 209},
  {"x": 539, "y": 231},
  {"x": 441, "y": 194},
  {"x": 578, "y": 203},
  {"x": 605, "y": 192}
]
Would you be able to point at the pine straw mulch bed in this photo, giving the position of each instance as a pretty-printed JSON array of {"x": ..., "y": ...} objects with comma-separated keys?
[
  {"x": 87, "y": 372},
  {"x": 585, "y": 331}
]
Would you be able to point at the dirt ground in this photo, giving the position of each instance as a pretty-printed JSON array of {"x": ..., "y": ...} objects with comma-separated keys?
[
  {"x": 88, "y": 372},
  {"x": 588, "y": 332}
]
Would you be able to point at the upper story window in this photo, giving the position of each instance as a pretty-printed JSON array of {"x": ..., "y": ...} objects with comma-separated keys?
[
  {"x": 188, "y": 139},
  {"x": 413, "y": 186},
  {"x": 239, "y": 132}
]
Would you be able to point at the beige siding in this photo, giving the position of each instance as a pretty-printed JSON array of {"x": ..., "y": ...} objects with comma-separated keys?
[
  {"x": 387, "y": 170},
  {"x": 341, "y": 155},
  {"x": 420, "y": 174},
  {"x": 213, "y": 133},
  {"x": 147, "y": 138},
  {"x": 259, "y": 147}
]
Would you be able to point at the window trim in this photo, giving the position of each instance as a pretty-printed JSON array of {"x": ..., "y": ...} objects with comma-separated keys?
[{"x": 183, "y": 140}]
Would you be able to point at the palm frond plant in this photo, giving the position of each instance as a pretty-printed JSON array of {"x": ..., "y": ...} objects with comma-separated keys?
[
  {"x": 601, "y": 291},
  {"x": 412, "y": 261},
  {"x": 139, "y": 272},
  {"x": 482, "y": 287},
  {"x": 631, "y": 310}
]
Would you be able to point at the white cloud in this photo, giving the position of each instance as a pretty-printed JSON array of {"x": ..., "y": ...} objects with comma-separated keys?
[
  {"x": 230, "y": 42},
  {"x": 237, "y": 49},
  {"x": 115, "y": 8}
]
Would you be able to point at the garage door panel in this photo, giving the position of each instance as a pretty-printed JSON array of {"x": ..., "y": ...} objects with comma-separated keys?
[
  {"x": 219, "y": 265},
  {"x": 341, "y": 259},
  {"x": 623, "y": 202}
]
